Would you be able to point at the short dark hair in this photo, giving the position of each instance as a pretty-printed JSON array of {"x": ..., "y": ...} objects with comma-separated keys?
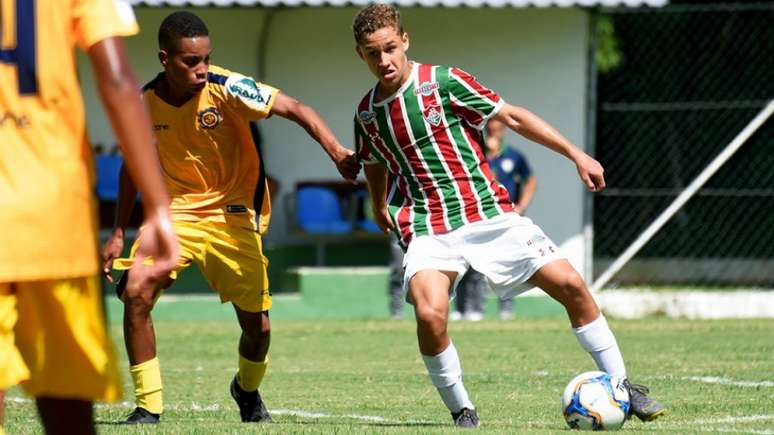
[
  {"x": 180, "y": 24},
  {"x": 374, "y": 17}
]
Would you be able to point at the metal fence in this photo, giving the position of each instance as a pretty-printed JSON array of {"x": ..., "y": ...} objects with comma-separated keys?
[{"x": 673, "y": 87}]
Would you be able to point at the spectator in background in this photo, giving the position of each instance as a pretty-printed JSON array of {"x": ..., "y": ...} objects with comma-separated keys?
[{"x": 511, "y": 169}]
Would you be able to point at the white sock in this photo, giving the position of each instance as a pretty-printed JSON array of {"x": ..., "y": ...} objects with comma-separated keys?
[
  {"x": 446, "y": 373},
  {"x": 598, "y": 340}
]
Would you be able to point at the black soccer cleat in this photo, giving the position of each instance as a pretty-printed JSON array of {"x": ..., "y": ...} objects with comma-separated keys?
[
  {"x": 466, "y": 418},
  {"x": 645, "y": 408},
  {"x": 251, "y": 407},
  {"x": 141, "y": 416}
]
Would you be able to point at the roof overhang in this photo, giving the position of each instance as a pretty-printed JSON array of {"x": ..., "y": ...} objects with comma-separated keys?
[{"x": 408, "y": 3}]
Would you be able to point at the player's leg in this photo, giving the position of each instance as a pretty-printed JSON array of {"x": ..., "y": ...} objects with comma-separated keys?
[
  {"x": 429, "y": 293},
  {"x": 253, "y": 361},
  {"x": 563, "y": 283},
  {"x": 235, "y": 267},
  {"x": 140, "y": 342},
  {"x": 66, "y": 416},
  {"x": 139, "y": 334},
  {"x": 396, "y": 279}
]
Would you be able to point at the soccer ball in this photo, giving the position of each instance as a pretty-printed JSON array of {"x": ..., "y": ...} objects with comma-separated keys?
[{"x": 595, "y": 401}]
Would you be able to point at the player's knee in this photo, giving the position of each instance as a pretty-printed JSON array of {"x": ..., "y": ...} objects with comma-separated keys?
[
  {"x": 138, "y": 297},
  {"x": 431, "y": 318},
  {"x": 259, "y": 330}
]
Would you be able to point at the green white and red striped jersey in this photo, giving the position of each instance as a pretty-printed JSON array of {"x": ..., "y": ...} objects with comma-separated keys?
[{"x": 428, "y": 135}]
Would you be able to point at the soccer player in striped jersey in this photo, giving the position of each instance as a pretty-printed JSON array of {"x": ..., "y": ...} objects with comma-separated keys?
[
  {"x": 418, "y": 131},
  {"x": 52, "y": 324},
  {"x": 204, "y": 119}
]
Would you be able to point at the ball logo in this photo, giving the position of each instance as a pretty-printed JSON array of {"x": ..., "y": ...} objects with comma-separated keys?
[{"x": 209, "y": 118}]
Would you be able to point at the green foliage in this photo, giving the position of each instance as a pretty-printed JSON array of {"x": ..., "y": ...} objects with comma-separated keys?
[{"x": 608, "y": 54}]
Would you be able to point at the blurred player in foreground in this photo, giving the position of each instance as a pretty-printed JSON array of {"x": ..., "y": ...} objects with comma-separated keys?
[{"x": 52, "y": 326}]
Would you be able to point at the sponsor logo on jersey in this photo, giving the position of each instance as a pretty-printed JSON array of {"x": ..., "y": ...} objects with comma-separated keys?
[
  {"x": 247, "y": 90},
  {"x": 209, "y": 118},
  {"x": 367, "y": 117},
  {"x": 426, "y": 88},
  {"x": 433, "y": 115}
]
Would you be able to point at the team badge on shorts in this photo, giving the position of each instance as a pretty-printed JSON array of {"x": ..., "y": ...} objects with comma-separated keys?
[
  {"x": 209, "y": 118},
  {"x": 433, "y": 115}
]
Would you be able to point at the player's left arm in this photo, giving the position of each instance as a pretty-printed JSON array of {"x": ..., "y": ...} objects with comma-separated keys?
[
  {"x": 532, "y": 127},
  {"x": 303, "y": 115}
]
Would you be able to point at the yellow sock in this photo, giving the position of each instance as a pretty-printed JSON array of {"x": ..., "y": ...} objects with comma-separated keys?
[
  {"x": 251, "y": 373},
  {"x": 147, "y": 385}
]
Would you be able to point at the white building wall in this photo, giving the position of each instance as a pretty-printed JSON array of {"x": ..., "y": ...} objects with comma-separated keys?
[{"x": 535, "y": 58}]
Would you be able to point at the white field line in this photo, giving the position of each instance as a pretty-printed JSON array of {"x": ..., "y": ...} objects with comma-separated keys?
[
  {"x": 733, "y": 419},
  {"x": 729, "y": 381},
  {"x": 216, "y": 407}
]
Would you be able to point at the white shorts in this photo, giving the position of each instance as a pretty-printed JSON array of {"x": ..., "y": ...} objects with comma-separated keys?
[{"x": 507, "y": 249}]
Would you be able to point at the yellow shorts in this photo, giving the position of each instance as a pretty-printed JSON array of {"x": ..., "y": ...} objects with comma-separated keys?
[
  {"x": 230, "y": 258},
  {"x": 53, "y": 340}
]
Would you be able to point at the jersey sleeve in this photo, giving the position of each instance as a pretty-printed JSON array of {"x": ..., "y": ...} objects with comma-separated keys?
[
  {"x": 95, "y": 20},
  {"x": 471, "y": 100},
  {"x": 251, "y": 99},
  {"x": 363, "y": 144}
]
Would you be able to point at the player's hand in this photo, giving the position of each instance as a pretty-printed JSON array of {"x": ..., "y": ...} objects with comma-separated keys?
[
  {"x": 590, "y": 172},
  {"x": 383, "y": 220},
  {"x": 158, "y": 241},
  {"x": 347, "y": 163},
  {"x": 112, "y": 250}
]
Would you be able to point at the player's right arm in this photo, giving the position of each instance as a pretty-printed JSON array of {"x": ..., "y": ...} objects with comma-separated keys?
[
  {"x": 376, "y": 177},
  {"x": 131, "y": 123},
  {"x": 127, "y": 193}
]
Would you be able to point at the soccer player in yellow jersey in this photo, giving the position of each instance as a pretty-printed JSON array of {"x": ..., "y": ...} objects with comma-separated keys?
[
  {"x": 52, "y": 333},
  {"x": 204, "y": 118}
]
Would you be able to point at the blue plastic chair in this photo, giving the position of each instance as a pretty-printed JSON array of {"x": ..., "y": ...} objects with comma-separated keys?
[
  {"x": 108, "y": 170},
  {"x": 366, "y": 224},
  {"x": 318, "y": 211}
]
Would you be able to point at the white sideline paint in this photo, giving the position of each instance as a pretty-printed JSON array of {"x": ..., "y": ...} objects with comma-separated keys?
[
  {"x": 732, "y": 382},
  {"x": 684, "y": 196},
  {"x": 216, "y": 407},
  {"x": 632, "y": 304},
  {"x": 733, "y": 419}
]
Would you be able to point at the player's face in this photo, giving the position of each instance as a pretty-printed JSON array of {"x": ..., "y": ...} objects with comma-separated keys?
[
  {"x": 186, "y": 64},
  {"x": 384, "y": 51}
]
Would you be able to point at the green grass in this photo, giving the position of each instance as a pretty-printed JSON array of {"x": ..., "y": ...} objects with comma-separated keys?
[{"x": 346, "y": 370}]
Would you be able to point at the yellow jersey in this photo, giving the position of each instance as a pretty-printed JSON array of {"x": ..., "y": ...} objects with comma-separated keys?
[
  {"x": 47, "y": 217},
  {"x": 212, "y": 166}
]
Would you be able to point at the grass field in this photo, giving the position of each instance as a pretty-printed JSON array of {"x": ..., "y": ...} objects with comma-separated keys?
[{"x": 365, "y": 376}]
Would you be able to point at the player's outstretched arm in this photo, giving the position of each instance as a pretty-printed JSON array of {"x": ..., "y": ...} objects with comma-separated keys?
[
  {"x": 303, "y": 115},
  {"x": 376, "y": 177},
  {"x": 120, "y": 95},
  {"x": 532, "y": 127}
]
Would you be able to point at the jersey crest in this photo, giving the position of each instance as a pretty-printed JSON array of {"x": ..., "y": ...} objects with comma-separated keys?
[{"x": 209, "y": 117}]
